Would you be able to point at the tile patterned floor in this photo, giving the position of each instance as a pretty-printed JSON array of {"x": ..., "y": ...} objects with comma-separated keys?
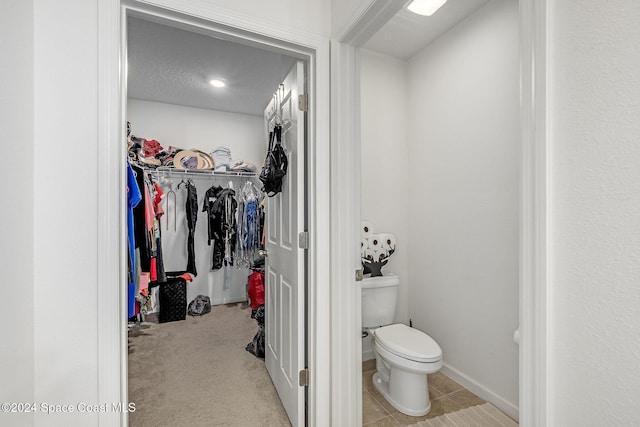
[{"x": 446, "y": 396}]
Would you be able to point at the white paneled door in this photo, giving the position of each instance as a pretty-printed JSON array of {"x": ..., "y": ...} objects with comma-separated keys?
[{"x": 285, "y": 275}]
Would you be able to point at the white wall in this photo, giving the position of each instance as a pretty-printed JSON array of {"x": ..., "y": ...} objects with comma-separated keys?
[
  {"x": 16, "y": 216},
  {"x": 384, "y": 159},
  {"x": 185, "y": 127},
  {"x": 65, "y": 207},
  {"x": 595, "y": 213},
  {"x": 464, "y": 199}
]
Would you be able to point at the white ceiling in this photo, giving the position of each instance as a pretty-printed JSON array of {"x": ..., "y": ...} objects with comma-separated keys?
[
  {"x": 407, "y": 33},
  {"x": 174, "y": 66}
]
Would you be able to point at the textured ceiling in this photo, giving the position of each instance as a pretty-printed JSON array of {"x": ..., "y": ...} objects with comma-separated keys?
[
  {"x": 407, "y": 33},
  {"x": 174, "y": 66}
]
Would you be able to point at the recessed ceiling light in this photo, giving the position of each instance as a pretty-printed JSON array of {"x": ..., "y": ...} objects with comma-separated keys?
[
  {"x": 426, "y": 7},
  {"x": 217, "y": 83}
]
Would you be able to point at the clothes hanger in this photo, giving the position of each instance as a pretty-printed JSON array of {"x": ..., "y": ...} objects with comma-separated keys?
[
  {"x": 169, "y": 193},
  {"x": 182, "y": 182}
]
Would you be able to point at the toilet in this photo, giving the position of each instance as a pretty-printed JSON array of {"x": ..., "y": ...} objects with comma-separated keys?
[{"x": 404, "y": 355}]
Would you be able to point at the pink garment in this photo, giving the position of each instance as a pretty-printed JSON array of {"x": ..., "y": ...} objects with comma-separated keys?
[
  {"x": 149, "y": 218},
  {"x": 144, "y": 281},
  {"x": 148, "y": 210}
]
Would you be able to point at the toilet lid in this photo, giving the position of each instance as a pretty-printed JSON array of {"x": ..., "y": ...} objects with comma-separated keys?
[{"x": 408, "y": 343}]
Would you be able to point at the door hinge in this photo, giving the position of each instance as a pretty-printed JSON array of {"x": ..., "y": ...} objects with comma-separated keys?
[
  {"x": 303, "y": 240},
  {"x": 303, "y": 102},
  {"x": 359, "y": 275},
  {"x": 304, "y": 377}
]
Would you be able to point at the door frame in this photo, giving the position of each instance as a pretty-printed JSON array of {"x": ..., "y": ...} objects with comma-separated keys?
[
  {"x": 534, "y": 283},
  {"x": 112, "y": 323}
]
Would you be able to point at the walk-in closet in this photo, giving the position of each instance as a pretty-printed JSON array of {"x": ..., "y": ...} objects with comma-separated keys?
[{"x": 203, "y": 117}]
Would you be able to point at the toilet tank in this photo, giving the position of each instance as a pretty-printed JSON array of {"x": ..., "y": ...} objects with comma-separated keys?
[{"x": 379, "y": 295}]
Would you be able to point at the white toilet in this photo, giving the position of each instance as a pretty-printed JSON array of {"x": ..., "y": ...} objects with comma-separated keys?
[{"x": 404, "y": 355}]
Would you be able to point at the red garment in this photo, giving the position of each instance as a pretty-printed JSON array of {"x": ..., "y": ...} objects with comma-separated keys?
[
  {"x": 157, "y": 200},
  {"x": 151, "y": 147},
  {"x": 153, "y": 274},
  {"x": 256, "y": 289}
]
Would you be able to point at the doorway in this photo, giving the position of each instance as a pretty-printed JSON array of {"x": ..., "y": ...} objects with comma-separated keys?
[
  {"x": 309, "y": 138},
  {"x": 460, "y": 224},
  {"x": 532, "y": 246}
]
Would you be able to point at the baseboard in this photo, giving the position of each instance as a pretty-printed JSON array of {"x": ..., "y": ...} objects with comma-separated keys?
[
  {"x": 507, "y": 407},
  {"x": 220, "y": 301}
]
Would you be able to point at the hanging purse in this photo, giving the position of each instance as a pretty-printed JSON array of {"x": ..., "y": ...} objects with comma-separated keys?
[{"x": 275, "y": 165}]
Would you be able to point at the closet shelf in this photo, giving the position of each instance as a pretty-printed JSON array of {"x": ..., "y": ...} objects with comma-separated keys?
[{"x": 201, "y": 172}]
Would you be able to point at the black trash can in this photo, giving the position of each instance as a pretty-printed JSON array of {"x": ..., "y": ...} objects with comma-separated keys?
[{"x": 173, "y": 300}]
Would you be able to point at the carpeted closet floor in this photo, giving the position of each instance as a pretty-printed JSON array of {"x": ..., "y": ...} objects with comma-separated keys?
[{"x": 196, "y": 372}]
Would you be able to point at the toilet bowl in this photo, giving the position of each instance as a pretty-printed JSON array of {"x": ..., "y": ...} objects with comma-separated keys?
[{"x": 404, "y": 357}]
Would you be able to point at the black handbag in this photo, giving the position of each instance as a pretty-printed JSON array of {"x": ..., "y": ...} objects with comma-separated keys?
[
  {"x": 173, "y": 300},
  {"x": 275, "y": 164}
]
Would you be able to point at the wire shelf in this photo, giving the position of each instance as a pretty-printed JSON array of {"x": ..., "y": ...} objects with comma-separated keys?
[{"x": 164, "y": 170}]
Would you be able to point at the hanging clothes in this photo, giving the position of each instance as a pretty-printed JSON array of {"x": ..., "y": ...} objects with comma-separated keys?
[
  {"x": 192, "y": 216},
  {"x": 149, "y": 221},
  {"x": 213, "y": 226},
  {"x": 148, "y": 264},
  {"x": 151, "y": 242},
  {"x": 142, "y": 242},
  {"x": 158, "y": 212},
  {"x": 249, "y": 224},
  {"x": 220, "y": 205},
  {"x": 134, "y": 197}
]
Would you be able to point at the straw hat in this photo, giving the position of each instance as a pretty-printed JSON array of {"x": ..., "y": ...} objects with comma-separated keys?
[
  {"x": 208, "y": 160},
  {"x": 192, "y": 159}
]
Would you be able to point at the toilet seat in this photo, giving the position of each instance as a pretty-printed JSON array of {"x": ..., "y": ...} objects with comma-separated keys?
[{"x": 408, "y": 343}]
